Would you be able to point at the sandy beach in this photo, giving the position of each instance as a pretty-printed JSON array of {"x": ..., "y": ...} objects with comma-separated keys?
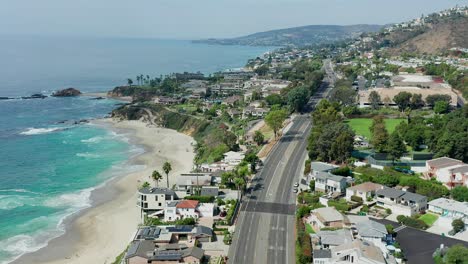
[{"x": 102, "y": 232}]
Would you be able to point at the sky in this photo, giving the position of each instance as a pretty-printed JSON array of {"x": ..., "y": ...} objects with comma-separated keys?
[{"x": 195, "y": 19}]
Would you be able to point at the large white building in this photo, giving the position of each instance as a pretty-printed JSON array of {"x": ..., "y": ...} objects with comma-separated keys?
[
  {"x": 152, "y": 200},
  {"x": 450, "y": 172}
]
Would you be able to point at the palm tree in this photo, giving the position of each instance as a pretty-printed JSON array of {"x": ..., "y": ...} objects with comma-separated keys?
[
  {"x": 129, "y": 82},
  {"x": 156, "y": 177},
  {"x": 167, "y": 168}
]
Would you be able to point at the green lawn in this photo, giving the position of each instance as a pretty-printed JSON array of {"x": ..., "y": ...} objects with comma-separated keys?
[
  {"x": 309, "y": 229},
  {"x": 361, "y": 125},
  {"x": 429, "y": 219}
]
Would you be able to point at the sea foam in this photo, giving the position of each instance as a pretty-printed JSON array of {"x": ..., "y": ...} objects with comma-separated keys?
[{"x": 38, "y": 131}]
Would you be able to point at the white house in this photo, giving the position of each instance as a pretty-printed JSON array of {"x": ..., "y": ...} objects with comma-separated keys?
[
  {"x": 233, "y": 158},
  {"x": 326, "y": 217},
  {"x": 152, "y": 200},
  {"x": 329, "y": 183},
  {"x": 363, "y": 190},
  {"x": 450, "y": 209},
  {"x": 188, "y": 181},
  {"x": 401, "y": 202},
  {"x": 187, "y": 209},
  {"x": 450, "y": 172}
]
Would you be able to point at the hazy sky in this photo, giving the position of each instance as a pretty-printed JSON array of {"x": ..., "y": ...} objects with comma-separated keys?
[{"x": 189, "y": 19}]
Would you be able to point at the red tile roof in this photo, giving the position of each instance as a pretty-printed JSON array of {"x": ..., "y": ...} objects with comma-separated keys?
[{"x": 187, "y": 204}]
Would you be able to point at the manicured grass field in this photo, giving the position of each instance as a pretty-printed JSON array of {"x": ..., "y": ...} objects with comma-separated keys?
[
  {"x": 309, "y": 229},
  {"x": 361, "y": 125},
  {"x": 429, "y": 219}
]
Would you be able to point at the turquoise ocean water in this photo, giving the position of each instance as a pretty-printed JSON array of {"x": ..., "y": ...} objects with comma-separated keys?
[{"x": 48, "y": 164}]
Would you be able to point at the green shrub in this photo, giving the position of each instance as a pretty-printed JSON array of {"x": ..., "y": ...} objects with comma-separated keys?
[
  {"x": 356, "y": 199},
  {"x": 201, "y": 198},
  {"x": 412, "y": 222}
]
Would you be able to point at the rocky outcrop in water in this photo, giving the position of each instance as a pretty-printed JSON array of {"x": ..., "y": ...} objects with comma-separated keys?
[{"x": 67, "y": 92}]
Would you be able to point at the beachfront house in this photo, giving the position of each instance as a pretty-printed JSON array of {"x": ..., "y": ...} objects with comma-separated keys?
[
  {"x": 401, "y": 202},
  {"x": 187, "y": 209},
  {"x": 153, "y": 200},
  {"x": 188, "y": 183}
]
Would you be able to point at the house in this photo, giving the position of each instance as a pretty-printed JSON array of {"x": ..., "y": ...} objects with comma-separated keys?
[
  {"x": 326, "y": 217},
  {"x": 232, "y": 100},
  {"x": 139, "y": 251},
  {"x": 363, "y": 190},
  {"x": 401, "y": 202},
  {"x": 145, "y": 251},
  {"x": 254, "y": 111},
  {"x": 360, "y": 252},
  {"x": 209, "y": 191},
  {"x": 173, "y": 254},
  {"x": 329, "y": 239},
  {"x": 329, "y": 183},
  {"x": 325, "y": 181},
  {"x": 163, "y": 235},
  {"x": 152, "y": 200},
  {"x": 450, "y": 172},
  {"x": 216, "y": 166},
  {"x": 450, "y": 209},
  {"x": 187, "y": 182},
  {"x": 187, "y": 209},
  {"x": 233, "y": 158},
  {"x": 322, "y": 256},
  {"x": 203, "y": 234},
  {"x": 374, "y": 232}
]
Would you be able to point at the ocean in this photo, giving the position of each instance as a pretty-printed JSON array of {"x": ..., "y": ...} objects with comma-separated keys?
[{"x": 49, "y": 162}]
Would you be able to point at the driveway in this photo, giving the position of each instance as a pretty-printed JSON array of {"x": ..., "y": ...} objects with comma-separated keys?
[{"x": 417, "y": 245}]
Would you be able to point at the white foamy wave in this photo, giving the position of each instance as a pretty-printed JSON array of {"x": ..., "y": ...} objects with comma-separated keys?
[
  {"x": 38, "y": 131},
  {"x": 8, "y": 202},
  {"x": 93, "y": 140},
  {"x": 18, "y": 190},
  {"x": 87, "y": 155},
  {"x": 77, "y": 200}
]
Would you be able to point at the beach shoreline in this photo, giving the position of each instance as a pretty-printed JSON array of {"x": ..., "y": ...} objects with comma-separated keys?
[{"x": 100, "y": 233}]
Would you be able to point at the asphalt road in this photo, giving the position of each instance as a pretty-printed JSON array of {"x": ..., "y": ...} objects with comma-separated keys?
[{"x": 265, "y": 225}]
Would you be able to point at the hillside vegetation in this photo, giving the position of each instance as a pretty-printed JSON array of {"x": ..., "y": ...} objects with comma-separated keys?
[
  {"x": 298, "y": 36},
  {"x": 433, "y": 38}
]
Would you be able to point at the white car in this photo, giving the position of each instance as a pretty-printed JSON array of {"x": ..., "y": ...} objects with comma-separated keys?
[
  {"x": 296, "y": 184},
  {"x": 295, "y": 190}
]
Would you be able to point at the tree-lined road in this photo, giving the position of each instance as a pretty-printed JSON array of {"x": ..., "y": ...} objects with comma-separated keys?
[{"x": 265, "y": 226}]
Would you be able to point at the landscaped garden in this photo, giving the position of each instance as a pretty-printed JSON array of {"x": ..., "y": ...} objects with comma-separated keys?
[{"x": 361, "y": 125}]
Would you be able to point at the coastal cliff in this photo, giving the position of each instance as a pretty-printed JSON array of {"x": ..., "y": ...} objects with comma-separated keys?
[
  {"x": 160, "y": 116},
  {"x": 213, "y": 137}
]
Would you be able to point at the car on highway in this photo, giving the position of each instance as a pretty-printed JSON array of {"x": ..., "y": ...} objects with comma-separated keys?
[
  {"x": 296, "y": 185},
  {"x": 295, "y": 190}
]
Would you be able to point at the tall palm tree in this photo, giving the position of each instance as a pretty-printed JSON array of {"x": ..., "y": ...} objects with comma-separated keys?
[
  {"x": 129, "y": 82},
  {"x": 167, "y": 168},
  {"x": 156, "y": 177}
]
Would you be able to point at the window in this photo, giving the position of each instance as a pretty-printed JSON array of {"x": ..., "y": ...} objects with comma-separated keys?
[
  {"x": 159, "y": 204},
  {"x": 156, "y": 198}
]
